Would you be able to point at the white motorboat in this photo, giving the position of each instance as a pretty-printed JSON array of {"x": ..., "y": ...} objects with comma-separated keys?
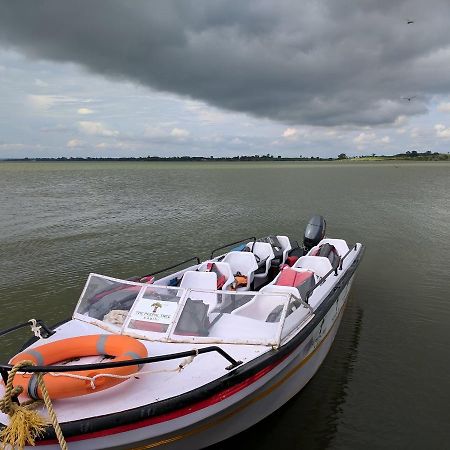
[{"x": 195, "y": 356}]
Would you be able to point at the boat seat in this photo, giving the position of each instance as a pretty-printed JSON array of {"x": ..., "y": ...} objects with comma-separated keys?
[
  {"x": 303, "y": 280},
  {"x": 203, "y": 281},
  {"x": 317, "y": 264},
  {"x": 339, "y": 244},
  {"x": 264, "y": 254},
  {"x": 328, "y": 251},
  {"x": 223, "y": 271},
  {"x": 243, "y": 263},
  {"x": 269, "y": 300},
  {"x": 285, "y": 246}
]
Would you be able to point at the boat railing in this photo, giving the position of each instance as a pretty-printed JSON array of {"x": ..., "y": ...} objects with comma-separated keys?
[
  {"x": 129, "y": 362},
  {"x": 333, "y": 270},
  {"x": 232, "y": 243},
  {"x": 194, "y": 258},
  {"x": 36, "y": 324}
]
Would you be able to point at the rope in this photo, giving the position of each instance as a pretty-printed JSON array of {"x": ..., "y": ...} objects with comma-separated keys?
[
  {"x": 52, "y": 413},
  {"x": 35, "y": 328},
  {"x": 185, "y": 362},
  {"x": 25, "y": 424}
]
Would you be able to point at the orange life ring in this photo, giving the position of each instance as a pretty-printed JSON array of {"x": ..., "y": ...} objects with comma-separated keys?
[{"x": 123, "y": 348}]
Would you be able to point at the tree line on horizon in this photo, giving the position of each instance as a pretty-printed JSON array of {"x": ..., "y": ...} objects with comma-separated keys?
[{"x": 408, "y": 155}]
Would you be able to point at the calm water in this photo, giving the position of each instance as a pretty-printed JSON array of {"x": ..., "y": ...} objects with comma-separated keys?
[{"x": 385, "y": 383}]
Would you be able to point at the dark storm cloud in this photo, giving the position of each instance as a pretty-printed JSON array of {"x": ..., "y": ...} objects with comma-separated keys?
[{"x": 331, "y": 62}]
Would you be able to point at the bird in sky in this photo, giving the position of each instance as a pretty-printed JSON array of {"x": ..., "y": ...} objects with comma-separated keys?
[
  {"x": 409, "y": 98},
  {"x": 409, "y": 22}
]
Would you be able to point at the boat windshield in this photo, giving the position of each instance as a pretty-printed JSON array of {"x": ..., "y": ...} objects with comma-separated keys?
[{"x": 173, "y": 314}]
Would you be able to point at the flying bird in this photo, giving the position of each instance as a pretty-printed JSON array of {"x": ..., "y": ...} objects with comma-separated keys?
[
  {"x": 409, "y": 22},
  {"x": 409, "y": 98}
]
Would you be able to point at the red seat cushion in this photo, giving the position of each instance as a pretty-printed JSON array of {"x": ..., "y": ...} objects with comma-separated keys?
[
  {"x": 290, "y": 277},
  {"x": 291, "y": 260}
]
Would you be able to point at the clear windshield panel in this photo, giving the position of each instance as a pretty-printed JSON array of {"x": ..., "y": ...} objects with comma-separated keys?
[
  {"x": 244, "y": 317},
  {"x": 155, "y": 310},
  {"x": 107, "y": 299}
]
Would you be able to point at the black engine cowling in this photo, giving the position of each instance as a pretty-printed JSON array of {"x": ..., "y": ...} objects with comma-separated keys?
[{"x": 314, "y": 231}]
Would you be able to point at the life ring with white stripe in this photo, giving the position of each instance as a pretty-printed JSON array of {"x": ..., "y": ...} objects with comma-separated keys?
[{"x": 123, "y": 348}]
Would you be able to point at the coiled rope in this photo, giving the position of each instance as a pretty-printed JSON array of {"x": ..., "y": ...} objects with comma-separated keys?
[{"x": 25, "y": 423}]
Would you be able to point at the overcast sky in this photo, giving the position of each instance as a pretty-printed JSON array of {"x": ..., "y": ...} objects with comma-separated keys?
[{"x": 135, "y": 78}]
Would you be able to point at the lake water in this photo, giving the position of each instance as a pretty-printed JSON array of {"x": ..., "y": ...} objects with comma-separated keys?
[{"x": 386, "y": 381}]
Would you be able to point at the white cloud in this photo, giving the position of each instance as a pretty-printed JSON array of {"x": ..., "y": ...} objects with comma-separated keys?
[
  {"x": 290, "y": 133},
  {"x": 385, "y": 140},
  {"x": 75, "y": 143},
  {"x": 205, "y": 113},
  {"x": 96, "y": 129},
  {"x": 442, "y": 131},
  {"x": 364, "y": 138},
  {"x": 45, "y": 102},
  {"x": 444, "y": 107},
  {"x": 415, "y": 132},
  {"x": 85, "y": 111},
  {"x": 41, "y": 102},
  {"x": 11, "y": 146},
  {"x": 179, "y": 133},
  {"x": 400, "y": 121},
  {"x": 113, "y": 145},
  {"x": 39, "y": 83}
]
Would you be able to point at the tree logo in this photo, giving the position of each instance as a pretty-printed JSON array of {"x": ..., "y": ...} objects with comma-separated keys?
[{"x": 155, "y": 306}]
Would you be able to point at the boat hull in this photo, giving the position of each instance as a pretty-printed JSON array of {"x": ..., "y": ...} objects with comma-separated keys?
[{"x": 232, "y": 410}]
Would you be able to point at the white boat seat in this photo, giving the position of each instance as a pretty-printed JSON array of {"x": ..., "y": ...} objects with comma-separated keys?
[
  {"x": 243, "y": 263},
  {"x": 222, "y": 269},
  {"x": 339, "y": 244},
  {"x": 317, "y": 264},
  {"x": 285, "y": 246},
  {"x": 203, "y": 281},
  {"x": 264, "y": 254},
  {"x": 269, "y": 301},
  {"x": 328, "y": 251}
]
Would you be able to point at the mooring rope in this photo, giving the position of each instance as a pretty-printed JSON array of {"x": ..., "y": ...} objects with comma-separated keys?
[
  {"x": 25, "y": 424},
  {"x": 35, "y": 328}
]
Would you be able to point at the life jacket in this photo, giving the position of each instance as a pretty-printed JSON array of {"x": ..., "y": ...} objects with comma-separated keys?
[
  {"x": 328, "y": 251},
  {"x": 221, "y": 279},
  {"x": 239, "y": 281},
  {"x": 291, "y": 260}
]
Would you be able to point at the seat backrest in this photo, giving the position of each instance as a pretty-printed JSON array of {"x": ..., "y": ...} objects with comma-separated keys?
[
  {"x": 221, "y": 268},
  {"x": 339, "y": 244},
  {"x": 243, "y": 262},
  {"x": 317, "y": 264},
  {"x": 285, "y": 245},
  {"x": 279, "y": 289},
  {"x": 263, "y": 250},
  {"x": 266, "y": 302},
  {"x": 202, "y": 281},
  {"x": 264, "y": 254}
]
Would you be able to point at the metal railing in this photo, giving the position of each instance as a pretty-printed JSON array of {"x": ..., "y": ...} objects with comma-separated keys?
[
  {"x": 194, "y": 258},
  {"x": 232, "y": 243}
]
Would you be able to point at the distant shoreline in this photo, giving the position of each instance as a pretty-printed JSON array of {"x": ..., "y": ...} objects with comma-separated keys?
[{"x": 409, "y": 156}]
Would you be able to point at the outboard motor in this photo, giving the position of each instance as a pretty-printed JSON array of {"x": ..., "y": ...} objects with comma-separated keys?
[{"x": 314, "y": 231}]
